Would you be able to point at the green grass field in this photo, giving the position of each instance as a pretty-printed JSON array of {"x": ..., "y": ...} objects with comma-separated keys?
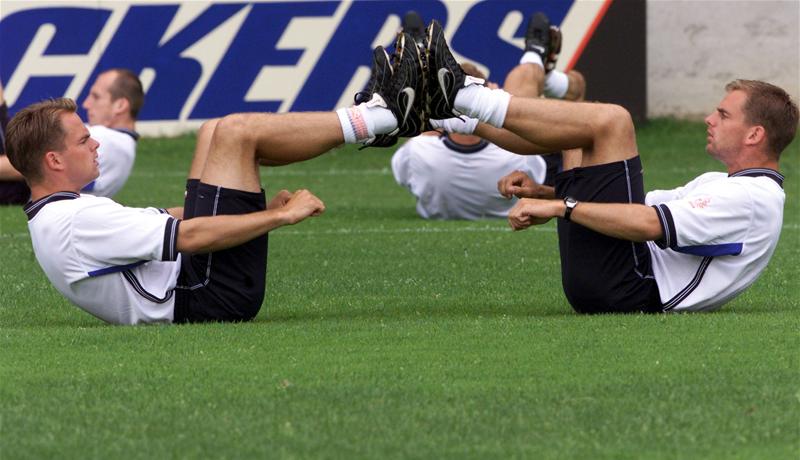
[{"x": 386, "y": 336}]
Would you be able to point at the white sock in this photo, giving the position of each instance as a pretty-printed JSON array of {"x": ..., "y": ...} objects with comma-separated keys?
[
  {"x": 556, "y": 84},
  {"x": 485, "y": 104},
  {"x": 463, "y": 125},
  {"x": 529, "y": 57},
  {"x": 363, "y": 121}
]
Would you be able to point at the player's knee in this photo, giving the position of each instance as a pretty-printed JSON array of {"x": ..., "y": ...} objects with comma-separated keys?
[
  {"x": 232, "y": 127},
  {"x": 208, "y": 127},
  {"x": 613, "y": 120}
]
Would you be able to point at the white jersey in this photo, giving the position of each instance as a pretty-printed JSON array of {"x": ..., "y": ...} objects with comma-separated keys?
[
  {"x": 115, "y": 158},
  {"x": 719, "y": 234},
  {"x": 120, "y": 264},
  {"x": 453, "y": 181}
]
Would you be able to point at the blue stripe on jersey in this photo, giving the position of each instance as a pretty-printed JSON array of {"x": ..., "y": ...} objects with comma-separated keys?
[
  {"x": 712, "y": 250},
  {"x": 115, "y": 269}
]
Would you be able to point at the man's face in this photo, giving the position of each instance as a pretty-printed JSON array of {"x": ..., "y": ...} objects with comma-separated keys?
[
  {"x": 79, "y": 154},
  {"x": 100, "y": 109},
  {"x": 727, "y": 126}
]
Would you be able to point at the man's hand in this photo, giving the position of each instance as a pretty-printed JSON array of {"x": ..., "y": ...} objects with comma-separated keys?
[
  {"x": 529, "y": 212},
  {"x": 517, "y": 184},
  {"x": 279, "y": 199},
  {"x": 298, "y": 206}
]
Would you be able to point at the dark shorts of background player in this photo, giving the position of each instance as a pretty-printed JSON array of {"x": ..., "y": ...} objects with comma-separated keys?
[
  {"x": 14, "y": 192},
  {"x": 226, "y": 285},
  {"x": 601, "y": 274}
]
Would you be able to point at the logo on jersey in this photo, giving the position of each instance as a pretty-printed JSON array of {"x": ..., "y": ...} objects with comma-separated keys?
[{"x": 700, "y": 203}]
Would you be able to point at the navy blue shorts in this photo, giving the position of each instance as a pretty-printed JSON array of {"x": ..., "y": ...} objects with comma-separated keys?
[
  {"x": 601, "y": 274},
  {"x": 14, "y": 192},
  {"x": 226, "y": 285}
]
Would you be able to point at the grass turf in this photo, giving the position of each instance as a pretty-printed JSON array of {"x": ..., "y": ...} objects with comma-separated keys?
[{"x": 383, "y": 335}]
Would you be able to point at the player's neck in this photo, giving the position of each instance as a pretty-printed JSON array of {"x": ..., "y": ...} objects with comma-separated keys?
[
  {"x": 759, "y": 161},
  {"x": 464, "y": 139},
  {"x": 122, "y": 123},
  {"x": 41, "y": 190}
]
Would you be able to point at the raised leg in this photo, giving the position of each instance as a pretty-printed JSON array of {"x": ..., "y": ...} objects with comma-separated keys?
[
  {"x": 240, "y": 142},
  {"x": 604, "y": 131},
  {"x": 201, "y": 148},
  {"x": 525, "y": 80}
]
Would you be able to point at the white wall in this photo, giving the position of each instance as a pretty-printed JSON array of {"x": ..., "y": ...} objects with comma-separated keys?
[{"x": 695, "y": 47}]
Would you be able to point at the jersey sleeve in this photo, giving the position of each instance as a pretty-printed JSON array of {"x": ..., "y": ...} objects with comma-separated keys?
[
  {"x": 709, "y": 221},
  {"x": 113, "y": 236}
]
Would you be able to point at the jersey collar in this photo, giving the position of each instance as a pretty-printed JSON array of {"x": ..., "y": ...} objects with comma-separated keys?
[
  {"x": 756, "y": 172},
  {"x": 33, "y": 207},
  {"x": 461, "y": 148},
  {"x": 130, "y": 133}
]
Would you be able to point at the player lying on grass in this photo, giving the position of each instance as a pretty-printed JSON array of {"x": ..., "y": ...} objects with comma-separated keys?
[
  {"x": 207, "y": 260},
  {"x": 112, "y": 107},
  {"x": 453, "y": 175},
  {"x": 689, "y": 249}
]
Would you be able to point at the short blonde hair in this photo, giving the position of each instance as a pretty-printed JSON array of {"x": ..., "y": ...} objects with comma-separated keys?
[{"x": 34, "y": 131}]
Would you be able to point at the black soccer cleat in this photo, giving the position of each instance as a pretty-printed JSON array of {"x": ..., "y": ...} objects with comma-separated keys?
[
  {"x": 537, "y": 36},
  {"x": 381, "y": 74},
  {"x": 413, "y": 25},
  {"x": 404, "y": 94},
  {"x": 555, "y": 49},
  {"x": 445, "y": 76}
]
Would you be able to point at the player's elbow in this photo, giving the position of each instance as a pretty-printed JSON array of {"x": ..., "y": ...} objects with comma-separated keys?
[
  {"x": 650, "y": 228},
  {"x": 191, "y": 238}
]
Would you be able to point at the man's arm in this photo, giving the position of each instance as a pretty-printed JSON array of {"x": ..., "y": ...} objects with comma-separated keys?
[
  {"x": 7, "y": 170},
  {"x": 632, "y": 222},
  {"x": 175, "y": 212},
  {"x": 214, "y": 233}
]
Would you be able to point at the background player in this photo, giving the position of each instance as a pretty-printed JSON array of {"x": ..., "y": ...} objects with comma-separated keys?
[
  {"x": 112, "y": 107},
  {"x": 453, "y": 174}
]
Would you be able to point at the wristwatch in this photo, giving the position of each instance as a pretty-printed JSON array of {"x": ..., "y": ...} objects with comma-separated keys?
[{"x": 570, "y": 203}]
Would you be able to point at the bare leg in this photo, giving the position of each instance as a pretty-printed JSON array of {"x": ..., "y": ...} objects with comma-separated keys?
[
  {"x": 202, "y": 147},
  {"x": 576, "y": 91},
  {"x": 525, "y": 80},
  {"x": 241, "y": 142},
  {"x": 604, "y": 131}
]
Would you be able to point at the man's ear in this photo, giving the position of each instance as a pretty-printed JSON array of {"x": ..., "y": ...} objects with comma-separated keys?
[
  {"x": 755, "y": 135},
  {"x": 121, "y": 106},
  {"x": 54, "y": 161}
]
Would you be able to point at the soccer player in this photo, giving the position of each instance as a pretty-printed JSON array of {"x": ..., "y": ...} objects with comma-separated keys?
[
  {"x": 453, "y": 174},
  {"x": 693, "y": 248},
  {"x": 207, "y": 260},
  {"x": 112, "y": 107}
]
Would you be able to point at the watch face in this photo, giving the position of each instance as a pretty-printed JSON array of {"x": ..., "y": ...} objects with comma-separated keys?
[{"x": 571, "y": 202}]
